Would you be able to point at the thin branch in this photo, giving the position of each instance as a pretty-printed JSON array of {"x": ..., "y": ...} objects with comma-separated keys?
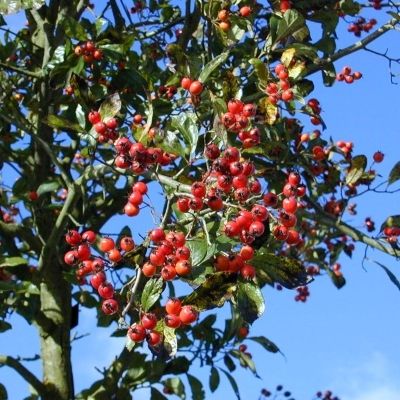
[
  {"x": 21, "y": 70},
  {"x": 24, "y": 373}
]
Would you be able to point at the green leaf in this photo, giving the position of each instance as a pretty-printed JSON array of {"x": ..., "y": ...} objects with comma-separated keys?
[
  {"x": 261, "y": 70},
  {"x": 329, "y": 74},
  {"x": 217, "y": 288},
  {"x": 12, "y": 7},
  {"x": 197, "y": 388},
  {"x": 394, "y": 174},
  {"x": 229, "y": 363},
  {"x": 110, "y": 106},
  {"x": 392, "y": 221},
  {"x": 130, "y": 344},
  {"x": 214, "y": 379},
  {"x": 389, "y": 273},
  {"x": 170, "y": 143},
  {"x": 176, "y": 386},
  {"x": 357, "y": 169},
  {"x": 86, "y": 299},
  {"x": 186, "y": 124},
  {"x": 10, "y": 262},
  {"x": 3, "y": 392},
  {"x": 151, "y": 293},
  {"x": 198, "y": 250},
  {"x": 350, "y": 7},
  {"x": 57, "y": 58},
  {"x": 48, "y": 187},
  {"x": 291, "y": 22},
  {"x": 266, "y": 343},
  {"x": 80, "y": 116},
  {"x": 4, "y": 326},
  {"x": 156, "y": 395},
  {"x": 233, "y": 383},
  {"x": 61, "y": 123},
  {"x": 212, "y": 65},
  {"x": 73, "y": 28},
  {"x": 250, "y": 301},
  {"x": 245, "y": 361},
  {"x": 287, "y": 271},
  {"x": 170, "y": 341}
]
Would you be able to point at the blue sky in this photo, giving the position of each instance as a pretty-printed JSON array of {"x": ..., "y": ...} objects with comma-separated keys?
[{"x": 344, "y": 340}]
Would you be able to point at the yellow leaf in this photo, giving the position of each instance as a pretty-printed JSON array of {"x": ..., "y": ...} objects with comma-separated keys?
[{"x": 287, "y": 57}]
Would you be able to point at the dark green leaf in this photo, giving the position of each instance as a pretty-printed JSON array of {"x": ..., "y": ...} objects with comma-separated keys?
[
  {"x": 3, "y": 392},
  {"x": 266, "y": 343},
  {"x": 176, "y": 386},
  {"x": 287, "y": 271},
  {"x": 329, "y": 74},
  {"x": 394, "y": 174},
  {"x": 197, "y": 388},
  {"x": 216, "y": 289},
  {"x": 233, "y": 383},
  {"x": 4, "y": 326},
  {"x": 250, "y": 301},
  {"x": 61, "y": 123},
  {"x": 357, "y": 169},
  {"x": 73, "y": 28},
  {"x": 198, "y": 250},
  {"x": 212, "y": 65},
  {"x": 291, "y": 22},
  {"x": 214, "y": 379},
  {"x": 156, "y": 395},
  {"x": 151, "y": 293},
  {"x": 178, "y": 365},
  {"x": 110, "y": 106},
  {"x": 9, "y": 262},
  {"x": 48, "y": 187},
  {"x": 389, "y": 273},
  {"x": 229, "y": 363}
]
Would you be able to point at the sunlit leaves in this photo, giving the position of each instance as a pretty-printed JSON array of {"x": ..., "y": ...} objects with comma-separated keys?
[
  {"x": 394, "y": 174},
  {"x": 111, "y": 106},
  {"x": 250, "y": 301},
  {"x": 212, "y": 65},
  {"x": 357, "y": 169},
  {"x": 151, "y": 293},
  {"x": 13, "y": 6}
]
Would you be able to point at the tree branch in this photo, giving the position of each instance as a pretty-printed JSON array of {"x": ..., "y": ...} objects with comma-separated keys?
[
  {"x": 21, "y": 70},
  {"x": 24, "y": 373}
]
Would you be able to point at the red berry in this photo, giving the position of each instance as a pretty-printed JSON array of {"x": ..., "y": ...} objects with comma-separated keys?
[
  {"x": 270, "y": 199},
  {"x": 106, "y": 290},
  {"x": 246, "y": 252},
  {"x": 289, "y": 204},
  {"x": 157, "y": 235},
  {"x": 141, "y": 187},
  {"x": 109, "y": 306},
  {"x": 149, "y": 321},
  {"x": 256, "y": 228},
  {"x": 131, "y": 210},
  {"x": 245, "y": 11},
  {"x": 173, "y": 306},
  {"x": 248, "y": 272},
  {"x": 114, "y": 255},
  {"x": 168, "y": 272},
  {"x": 106, "y": 244},
  {"x": 183, "y": 204},
  {"x": 94, "y": 117},
  {"x": 137, "y": 332},
  {"x": 153, "y": 338},
  {"x": 196, "y": 204},
  {"x": 71, "y": 257},
  {"x": 89, "y": 237},
  {"x": 183, "y": 267},
  {"x": 73, "y": 238},
  {"x": 196, "y": 88},
  {"x": 100, "y": 128},
  {"x": 135, "y": 198},
  {"x": 188, "y": 315},
  {"x": 172, "y": 321},
  {"x": 198, "y": 189},
  {"x": 97, "y": 279},
  {"x": 149, "y": 270},
  {"x": 83, "y": 252},
  {"x": 185, "y": 83},
  {"x": 235, "y": 106},
  {"x": 378, "y": 157}
]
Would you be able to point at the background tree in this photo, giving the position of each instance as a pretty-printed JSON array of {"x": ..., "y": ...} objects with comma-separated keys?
[{"x": 95, "y": 102}]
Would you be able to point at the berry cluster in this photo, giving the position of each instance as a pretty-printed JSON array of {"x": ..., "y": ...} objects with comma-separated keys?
[
  {"x": 224, "y": 16},
  {"x": 346, "y": 147},
  {"x": 376, "y": 4},
  {"x": 170, "y": 256},
  {"x": 302, "y": 294},
  {"x": 167, "y": 91},
  {"x": 88, "y": 51},
  {"x": 236, "y": 263},
  {"x": 135, "y": 199},
  {"x": 237, "y": 119},
  {"x": 316, "y": 110},
  {"x": 361, "y": 25},
  {"x": 105, "y": 129},
  {"x": 145, "y": 329},
  {"x": 178, "y": 315},
  {"x": 80, "y": 256},
  {"x": 194, "y": 87},
  {"x": 280, "y": 90},
  {"x": 369, "y": 224},
  {"x": 327, "y": 395},
  {"x": 348, "y": 77}
]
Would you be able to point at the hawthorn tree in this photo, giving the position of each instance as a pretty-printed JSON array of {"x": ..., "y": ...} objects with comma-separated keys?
[{"x": 211, "y": 104}]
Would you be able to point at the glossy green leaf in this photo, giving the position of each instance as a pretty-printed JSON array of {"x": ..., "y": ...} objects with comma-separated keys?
[
  {"x": 271, "y": 269},
  {"x": 186, "y": 124},
  {"x": 261, "y": 70},
  {"x": 151, "y": 293},
  {"x": 196, "y": 387},
  {"x": 250, "y": 301},
  {"x": 291, "y": 22},
  {"x": 266, "y": 343},
  {"x": 394, "y": 174},
  {"x": 198, "y": 250},
  {"x": 233, "y": 383},
  {"x": 61, "y": 123},
  {"x": 110, "y": 106},
  {"x": 357, "y": 169},
  {"x": 217, "y": 288},
  {"x": 73, "y": 28},
  {"x": 212, "y": 65},
  {"x": 10, "y": 262},
  {"x": 48, "y": 187},
  {"x": 214, "y": 379}
]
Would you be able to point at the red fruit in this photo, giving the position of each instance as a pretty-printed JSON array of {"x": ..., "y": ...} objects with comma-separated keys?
[
  {"x": 182, "y": 253},
  {"x": 235, "y": 168},
  {"x": 224, "y": 182},
  {"x": 137, "y": 333},
  {"x": 97, "y": 279},
  {"x": 179, "y": 239},
  {"x": 188, "y": 315},
  {"x": 86, "y": 266},
  {"x": 157, "y": 258},
  {"x": 196, "y": 88},
  {"x": 196, "y": 204},
  {"x": 73, "y": 237},
  {"x": 149, "y": 321},
  {"x": 33, "y": 195},
  {"x": 246, "y": 252},
  {"x": 100, "y": 128},
  {"x": 172, "y": 321},
  {"x": 173, "y": 306},
  {"x": 185, "y": 83},
  {"x": 149, "y": 270},
  {"x": 71, "y": 257},
  {"x": 131, "y": 210},
  {"x": 97, "y": 265},
  {"x": 166, "y": 248},
  {"x": 270, "y": 199},
  {"x": 290, "y": 204},
  {"x": 106, "y": 244},
  {"x": 98, "y": 55},
  {"x": 293, "y": 237},
  {"x": 114, "y": 255},
  {"x": 248, "y": 272},
  {"x": 256, "y": 228},
  {"x": 287, "y": 219},
  {"x": 294, "y": 178},
  {"x": 110, "y": 306},
  {"x": 140, "y": 187},
  {"x": 245, "y": 11},
  {"x": 239, "y": 181},
  {"x": 378, "y": 157},
  {"x": 89, "y": 236},
  {"x": 231, "y": 229},
  {"x": 90, "y": 46},
  {"x": 127, "y": 243},
  {"x": 157, "y": 235},
  {"x": 289, "y": 190},
  {"x": 280, "y": 232},
  {"x": 215, "y": 203},
  {"x": 259, "y": 212},
  {"x": 183, "y": 204},
  {"x": 223, "y": 15},
  {"x": 235, "y": 263},
  {"x": 235, "y": 106},
  {"x": 153, "y": 338},
  {"x": 94, "y": 117},
  {"x": 301, "y": 190},
  {"x": 198, "y": 189},
  {"x": 255, "y": 187},
  {"x": 137, "y": 119},
  {"x": 221, "y": 263},
  {"x": 83, "y": 252},
  {"x": 106, "y": 290},
  {"x": 357, "y": 75},
  {"x": 183, "y": 267},
  {"x": 287, "y": 95},
  {"x": 168, "y": 273},
  {"x": 242, "y": 194},
  {"x": 135, "y": 198},
  {"x": 111, "y": 123},
  {"x": 212, "y": 151},
  {"x": 242, "y": 332}
]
